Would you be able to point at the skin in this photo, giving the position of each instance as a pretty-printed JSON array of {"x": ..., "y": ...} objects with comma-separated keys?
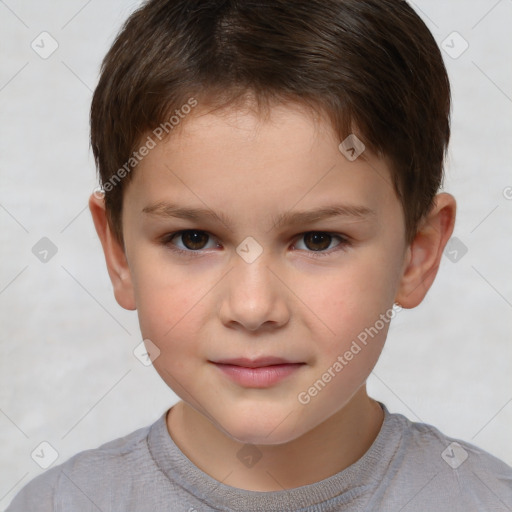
[{"x": 286, "y": 303}]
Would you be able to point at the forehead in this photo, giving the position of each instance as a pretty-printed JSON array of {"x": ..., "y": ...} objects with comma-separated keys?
[
  {"x": 236, "y": 160},
  {"x": 247, "y": 125}
]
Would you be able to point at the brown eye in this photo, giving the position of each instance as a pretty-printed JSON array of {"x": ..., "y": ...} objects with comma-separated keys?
[
  {"x": 192, "y": 240},
  {"x": 317, "y": 241}
]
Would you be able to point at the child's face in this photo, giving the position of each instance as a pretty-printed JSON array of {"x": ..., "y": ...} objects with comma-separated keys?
[{"x": 214, "y": 303}]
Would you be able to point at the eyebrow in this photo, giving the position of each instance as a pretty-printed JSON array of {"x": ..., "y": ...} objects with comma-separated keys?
[{"x": 170, "y": 210}]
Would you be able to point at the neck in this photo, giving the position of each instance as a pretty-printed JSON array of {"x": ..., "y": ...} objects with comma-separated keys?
[{"x": 322, "y": 452}]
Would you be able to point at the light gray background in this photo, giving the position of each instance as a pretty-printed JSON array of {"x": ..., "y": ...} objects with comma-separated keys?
[{"x": 68, "y": 374}]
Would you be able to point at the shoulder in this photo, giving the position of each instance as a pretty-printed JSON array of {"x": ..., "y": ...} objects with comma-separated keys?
[
  {"x": 450, "y": 466},
  {"x": 427, "y": 439},
  {"x": 95, "y": 469}
]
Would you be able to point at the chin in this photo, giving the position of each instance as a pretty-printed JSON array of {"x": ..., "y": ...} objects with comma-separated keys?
[{"x": 261, "y": 429}]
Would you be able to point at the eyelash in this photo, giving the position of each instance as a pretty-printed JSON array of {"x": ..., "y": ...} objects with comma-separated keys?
[{"x": 167, "y": 239}]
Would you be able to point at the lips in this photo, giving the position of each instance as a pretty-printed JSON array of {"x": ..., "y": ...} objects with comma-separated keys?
[
  {"x": 262, "y": 372},
  {"x": 256, "y": 363}
]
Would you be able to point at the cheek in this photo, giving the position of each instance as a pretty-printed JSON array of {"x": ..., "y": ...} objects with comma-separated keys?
[
  {"x": 353, "y": 298},
  {"x": 172, "y": 320},
  {"x": 172, "y": 309},
  {"x": 170, "y": 315},
  {"x": 353, "y": 308},
  {"x": 164, "y": 291}
]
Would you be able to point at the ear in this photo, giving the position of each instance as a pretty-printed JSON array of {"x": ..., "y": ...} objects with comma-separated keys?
[
  {"x": 423, "y": 256},
  {"x": 117, "y": 264}
]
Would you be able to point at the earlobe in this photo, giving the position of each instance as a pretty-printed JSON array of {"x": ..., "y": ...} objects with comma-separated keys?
[
  {"x": 115, "y": 257},
  {"x": 424, "y": 254}
]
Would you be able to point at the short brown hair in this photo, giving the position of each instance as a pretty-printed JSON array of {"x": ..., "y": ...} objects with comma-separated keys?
[{"x": 370, "y": 65}]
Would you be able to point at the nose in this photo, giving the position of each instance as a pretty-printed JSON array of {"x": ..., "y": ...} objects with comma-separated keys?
[{"x": 253, "y": 296}]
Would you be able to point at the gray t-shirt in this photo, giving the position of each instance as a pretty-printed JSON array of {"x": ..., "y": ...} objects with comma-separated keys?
[{"x": 409, "y": 467}]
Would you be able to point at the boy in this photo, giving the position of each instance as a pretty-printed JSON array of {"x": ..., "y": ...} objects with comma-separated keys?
[{"x": 234, "y": 139}]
